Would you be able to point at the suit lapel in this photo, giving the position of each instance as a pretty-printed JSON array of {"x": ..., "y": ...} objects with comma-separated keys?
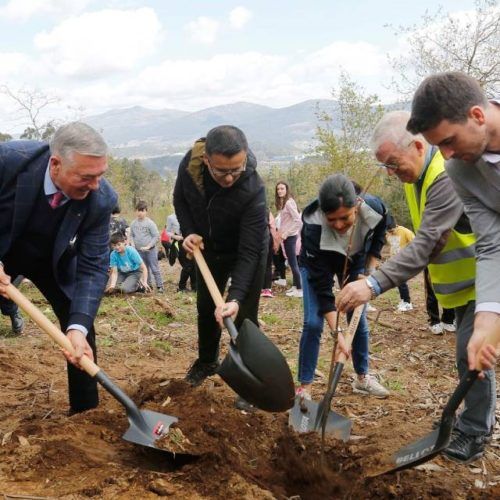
[{"x": 29, "y": 184}]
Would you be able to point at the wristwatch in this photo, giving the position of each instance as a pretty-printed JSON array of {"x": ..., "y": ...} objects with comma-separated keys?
[
  {"x": 237, "y": 301},
  {"x": 369, "y": 284}
]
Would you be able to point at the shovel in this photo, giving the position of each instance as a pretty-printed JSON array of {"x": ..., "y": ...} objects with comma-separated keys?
[
  {"x": 436, "y": 441},
  {"x": 254, "y": 367},
  {"x": 308, "y": 416},
  {"x": 145, "y": 426}
]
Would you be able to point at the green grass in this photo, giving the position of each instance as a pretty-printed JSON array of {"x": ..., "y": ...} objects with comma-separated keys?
[
  {"x": 163, "y": 345},
  {"x": 270, "y": 318},
  {"x": 105, "y": 341},
  {"x": 394, "y": 385}
]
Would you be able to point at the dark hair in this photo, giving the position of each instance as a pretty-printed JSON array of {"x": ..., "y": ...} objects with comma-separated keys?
[
  {"x": 390, "y": 222},
  {"x": 279, "y": 203},
  {"x": 358, "y": 188},
  {"x": 444, "y": 96},
  {"x": 116, "y": 209},
  {"x": 335, "y": 192},
  {"x": 117, "y": 238},
  {"x": 141, "y": 205},
  {"x": 225, "y": 140}
]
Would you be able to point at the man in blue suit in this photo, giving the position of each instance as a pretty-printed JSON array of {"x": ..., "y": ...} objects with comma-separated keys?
[{"x": 54, "y": 230}]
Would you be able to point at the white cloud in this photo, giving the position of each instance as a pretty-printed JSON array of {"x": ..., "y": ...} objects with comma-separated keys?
[
  {"x": 13, "y": 64},
  {"x": 24, "y": 9},
  {"x": 100, "y": 43},
  {"x": 203, "y": 30},
  {"x": 239, "y": 16}
]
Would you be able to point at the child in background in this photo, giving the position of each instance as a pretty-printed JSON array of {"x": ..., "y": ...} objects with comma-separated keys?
[
  {"x": 128, "y": 272},
  {"x": 398, "y": 237},
  {"x": 145, "y": 236}
]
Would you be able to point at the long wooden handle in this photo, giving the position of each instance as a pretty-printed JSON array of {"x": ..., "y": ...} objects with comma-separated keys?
[
  {"x": 207, "y": 276},
  {"x": 48, "y": 327},
  {"x": 351, "y": 330}
]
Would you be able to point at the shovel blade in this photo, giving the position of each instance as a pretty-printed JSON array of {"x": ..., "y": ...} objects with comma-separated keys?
[
  {"x": 145, "y": 429},
  {"x": 417, "y": 452},
  {"x": 304, "y": 415},
  {"x": 257, "y": 371}
]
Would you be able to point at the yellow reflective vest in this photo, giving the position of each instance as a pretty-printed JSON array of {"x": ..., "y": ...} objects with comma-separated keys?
[{"x": 453, "y": 271}]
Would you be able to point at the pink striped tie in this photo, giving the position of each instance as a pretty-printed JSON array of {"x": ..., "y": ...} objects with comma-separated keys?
[{"x": 56, "y": 199}]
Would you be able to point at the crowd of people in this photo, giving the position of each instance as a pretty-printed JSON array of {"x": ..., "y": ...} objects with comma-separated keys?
[{"x": 58, "y": 212}]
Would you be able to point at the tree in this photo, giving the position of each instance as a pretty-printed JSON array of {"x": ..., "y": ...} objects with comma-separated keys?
[
  {"x": 343, "y": 139},
  {"x": 467, "y": 42},
  {"x": 30, "y": 104},
  {"x": 5, "y": 137}
]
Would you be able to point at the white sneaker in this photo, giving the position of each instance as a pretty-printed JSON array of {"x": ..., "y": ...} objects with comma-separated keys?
[
  {"x": 294, "y": 293},
  {"x": 449, "y": 327},
  {"x": 436, "y": 329},
  {"x": 405, "y": 306},
  {"x": 370, "y": 386},
  {"x": 280, "y": 282},
  {"x": 370, "y": 308}
]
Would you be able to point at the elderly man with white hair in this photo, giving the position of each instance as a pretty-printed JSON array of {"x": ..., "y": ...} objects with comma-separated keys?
[{"x": 444, "y": 243}]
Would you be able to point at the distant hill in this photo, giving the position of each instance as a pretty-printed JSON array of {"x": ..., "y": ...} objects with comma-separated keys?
[{"x": 161, "y": 137}]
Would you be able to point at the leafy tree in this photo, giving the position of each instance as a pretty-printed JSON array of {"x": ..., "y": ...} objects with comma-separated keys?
[
  {"x": 5, "y": 137},
  {"x": 451, "y": 42},
  {"x": 346, "y": 149}
]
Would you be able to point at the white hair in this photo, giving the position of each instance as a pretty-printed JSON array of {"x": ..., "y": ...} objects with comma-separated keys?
[
  {"x": 77, "y": 137},
  {"x": 392, "y": 128}
]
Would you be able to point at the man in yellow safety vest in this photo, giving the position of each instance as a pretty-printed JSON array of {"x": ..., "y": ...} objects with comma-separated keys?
[{"x": 445, "y": 243}]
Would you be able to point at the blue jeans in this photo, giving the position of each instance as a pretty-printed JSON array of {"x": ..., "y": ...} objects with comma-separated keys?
[{"x": 311, "y": 335}]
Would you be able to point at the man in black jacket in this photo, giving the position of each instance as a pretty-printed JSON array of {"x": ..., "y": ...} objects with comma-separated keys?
[{"x": 219, "y": 199}]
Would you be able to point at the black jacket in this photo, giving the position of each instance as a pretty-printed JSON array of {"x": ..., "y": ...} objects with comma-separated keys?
[
  {"x": 323, "y": 265},
  {"x": 232, "y": 221}
]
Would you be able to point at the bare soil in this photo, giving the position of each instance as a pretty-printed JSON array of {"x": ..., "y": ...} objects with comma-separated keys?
[{"x": 217, "y": 451}]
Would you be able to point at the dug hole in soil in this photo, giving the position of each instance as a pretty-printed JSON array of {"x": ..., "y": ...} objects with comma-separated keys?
[{"x": 216, "y": 451}]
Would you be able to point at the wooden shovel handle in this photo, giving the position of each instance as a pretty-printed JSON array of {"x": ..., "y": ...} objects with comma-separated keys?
[
  {"x": 351, "y": 330},
  {"x": 48, "y": 327},
  {"x": 207, "y": 276}
]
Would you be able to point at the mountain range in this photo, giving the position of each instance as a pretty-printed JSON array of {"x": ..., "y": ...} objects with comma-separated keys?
[{"x": 161, "y": 137}]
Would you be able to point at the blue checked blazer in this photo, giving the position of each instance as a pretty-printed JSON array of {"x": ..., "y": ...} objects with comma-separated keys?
[{"x": 81, "y": 257}]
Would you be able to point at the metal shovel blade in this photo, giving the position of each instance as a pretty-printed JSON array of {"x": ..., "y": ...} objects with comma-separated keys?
[
  {"x": 436, "y": 441},
  {"x": 257, "y": 370},
  {"x": 304, "y": 416},
  {"x": 146, "y": 426}
]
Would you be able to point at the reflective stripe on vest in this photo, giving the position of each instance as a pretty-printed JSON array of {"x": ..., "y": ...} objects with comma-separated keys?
[{"x": 453, "y": 271}]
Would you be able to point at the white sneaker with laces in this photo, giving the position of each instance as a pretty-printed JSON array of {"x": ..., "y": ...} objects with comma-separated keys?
[
  {"x": 436, "y": 329},
  {"x": 449, "y": 327},
  {"x": 370, "y": 386},
  {"x": 405, "y": 306},
  {"x": 294, "y": 293}
]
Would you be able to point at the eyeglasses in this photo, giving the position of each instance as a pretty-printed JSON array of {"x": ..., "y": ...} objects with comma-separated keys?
[
  {"x": 221, "y": 172},
  {"x": 393, "y": 167}
]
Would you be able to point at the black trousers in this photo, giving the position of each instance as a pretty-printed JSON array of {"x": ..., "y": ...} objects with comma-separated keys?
[
  {"x": 188, "y": 270},
  {"x": 432, "y": 304},
  {"x": 82, "y": 388},
  {"x": 209, "y": 332},
  {"x": 279, "y": 264}
]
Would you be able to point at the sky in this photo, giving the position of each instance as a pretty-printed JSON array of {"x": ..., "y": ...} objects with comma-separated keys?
[{"x": 96, "y": 55}]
